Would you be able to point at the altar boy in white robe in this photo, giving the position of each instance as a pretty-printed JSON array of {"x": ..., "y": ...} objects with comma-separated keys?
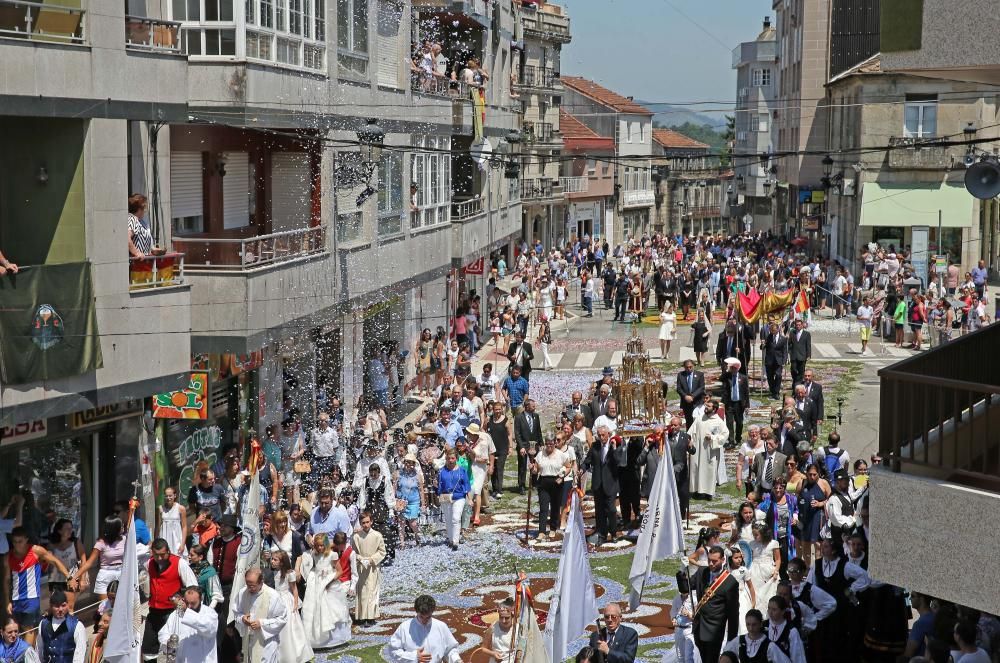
[
  {"x": 196, "y": 626},
  {"x": 423, "y": 639},
  {"x": 260, "y": 615},
  {"x": 708, "y": 434}
]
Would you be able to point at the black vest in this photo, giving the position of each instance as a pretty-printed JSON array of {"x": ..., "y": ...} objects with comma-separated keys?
[
  {"x": 837, "y": 584},
  {"x": 761, "y": 656},
  {"x": 783, "y": 641},
  {"x": 806, "y": 595}
]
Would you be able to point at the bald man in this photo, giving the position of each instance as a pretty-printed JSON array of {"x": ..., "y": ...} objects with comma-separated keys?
[
  {"x": 618, "y": 643},
  {"x": 260, "y": 615}
]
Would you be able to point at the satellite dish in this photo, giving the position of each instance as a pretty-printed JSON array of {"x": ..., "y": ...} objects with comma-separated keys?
[
  {"x": 983, "y": 180},
  {"x": 481, "y": 150}
]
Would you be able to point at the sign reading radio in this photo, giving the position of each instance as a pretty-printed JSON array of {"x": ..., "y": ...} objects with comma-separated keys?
[
  {"x": 105, "y": 413},
  {"x": 189, "y": 403}
]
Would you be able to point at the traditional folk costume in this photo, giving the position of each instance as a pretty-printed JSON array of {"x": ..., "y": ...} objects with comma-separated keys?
[
  {"x": 196, "y": 632},
  {"x": 369, "y": 551},
  {"x": 708, "y": 453},
  {"x": 266, "y": 606},
  {"x": 325, "y": 614},
  {"x": 435, "y": 639}
]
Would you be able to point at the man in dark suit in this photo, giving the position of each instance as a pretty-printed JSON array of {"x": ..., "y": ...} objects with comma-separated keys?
[
  {"x": 577, "y": 406},
  {"x": 736, "y": 398},
  {"x": 728, "y": 345},
  {"x": 717, "y": 608},
  {"x": 799, "y": 350},
  {"x": 621, "y": 292},
  {"x": 814, "y": 390},
  {"x": 775, "y": 347},
  {"x": 691, "y": 388},
  {"x": 681, "y": 449},
  {"x": 789, "y": 432},
  {"x": 607, "y": 378},
  {"x": 604, "y": 461},
  {"x": 629, "y": 483},
  {"x": 528, "y": 437},
  {"x": 806, "y": 410},
  {"x": 520, "y": 353},
  {"x": 767, "y": 466},
  {"x": 618, "y": 643},
  {"x": 599, "y": 406}
]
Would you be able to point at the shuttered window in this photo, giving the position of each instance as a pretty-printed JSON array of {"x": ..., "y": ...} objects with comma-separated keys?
[
  {"x": 187, "y": 204},
  {"x": 291, "y": 189},
  {"x": 388, "y": 43},
  {"x": 236, "y": 187}
]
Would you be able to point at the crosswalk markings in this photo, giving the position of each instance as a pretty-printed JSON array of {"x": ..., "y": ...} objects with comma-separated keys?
[
  {"x": 586, "y": 359},
  {"x": 655, "y": 353},
  {"x": 687, "y": 353},
  {"x": 855, "y": 347},
  {"x": 617, "y": 358},
  {"x": 898, "y": 352},
  {"x": 826, "y": 349},
  {"x": 555, "y": 358}
]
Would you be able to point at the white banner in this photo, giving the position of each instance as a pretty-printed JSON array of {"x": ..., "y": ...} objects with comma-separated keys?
[
  {"x": 249, "y": 552},
  {"x": 662, "y": 533},
  {"x": 123, "y": 643}
]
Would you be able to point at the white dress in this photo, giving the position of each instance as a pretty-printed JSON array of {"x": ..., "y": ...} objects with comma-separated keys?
[
  {"x": 324, "y": 611},
  {"x": 170, "y": 529},
  {"x": 668, "y": 321},
  {"x": 746, "y": 602},
  {"x": 765, "y": 585},
  {"x": 294, "y": 645}
]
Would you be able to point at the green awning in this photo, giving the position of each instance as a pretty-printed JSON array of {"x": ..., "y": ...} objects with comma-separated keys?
[{"x": 916, "y": 204}]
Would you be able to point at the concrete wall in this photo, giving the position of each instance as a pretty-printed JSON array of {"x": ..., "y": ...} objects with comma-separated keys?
[{"x": 928, "y": 537}]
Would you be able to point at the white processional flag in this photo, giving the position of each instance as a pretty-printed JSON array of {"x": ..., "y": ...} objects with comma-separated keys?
[
  {"x": 662, "y": 533},
  {"x": 529, "y": 646},
  {"x": 574, "y": 604},
  {"x": 123, "y": 642},
  {"x": 248, "y": 555}
]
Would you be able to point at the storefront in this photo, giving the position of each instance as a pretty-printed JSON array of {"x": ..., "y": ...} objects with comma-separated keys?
[{"x": 75, "y": 467}]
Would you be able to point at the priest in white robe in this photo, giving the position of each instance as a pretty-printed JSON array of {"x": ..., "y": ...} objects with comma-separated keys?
[
  {"x": 708, "y": 434},
  {"x": 260, "y": 615},
  {"x": 423, "y": 636},
  {"x": 195, "y": 625}
]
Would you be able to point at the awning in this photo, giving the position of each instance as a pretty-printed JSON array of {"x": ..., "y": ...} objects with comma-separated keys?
[{"x": 916, "y": 204}]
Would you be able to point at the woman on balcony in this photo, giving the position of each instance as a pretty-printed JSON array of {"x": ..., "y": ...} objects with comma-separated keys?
[{"x": 140, "y": 238}]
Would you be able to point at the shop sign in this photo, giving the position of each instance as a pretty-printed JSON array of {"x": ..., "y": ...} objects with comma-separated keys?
[
  {"x": 201, "y": 445},
  {"x": 227, "y": 365},
  {"x": 810, "y": 223},
  {"x": 189, "y": 403},
  {"x": 818, "y": 197},
  {"x": 104, "y": 414},
  {"x": 475, "y": 267},
  {"x": 375, "y": 309},
  {"x": 26, "y": 430}
]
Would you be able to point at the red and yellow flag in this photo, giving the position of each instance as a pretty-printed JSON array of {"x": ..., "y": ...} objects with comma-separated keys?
[{"x": 802, "y": 303}]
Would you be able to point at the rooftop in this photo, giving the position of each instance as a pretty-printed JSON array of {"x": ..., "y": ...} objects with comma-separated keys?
[
  {"x": 673, "y": 140},
  {"x": 872, "y": 65},
  {"x": 576, "y": 134},
  {"x": 604, "y": 96}
]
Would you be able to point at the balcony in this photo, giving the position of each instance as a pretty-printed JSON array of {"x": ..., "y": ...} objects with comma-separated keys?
[
  {"x": 913, "y": 154},
  {"x": 540, "y": 133},
  {"x": 155, "y": 271},
  {"x": 574, "y": 184},
  {"x": 538, "y": 189},
  {"x": 705, "y": 212},
  {"x": 638, "y": 198},
  {"x": 153, "y": 34},
  {"x": 537, "y": 77},
  {"x": 251, "y": 253},
  {"x": 939, "y": 436},
  {"x": 466, "y": 209},
  {"x": 547, "y": 25},
  {"x": 41, "y": 22},
  {"x": 477, "y": 10},
  {"x": 755, "y": 51}
]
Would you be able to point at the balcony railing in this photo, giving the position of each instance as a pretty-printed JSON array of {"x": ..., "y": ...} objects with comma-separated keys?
[
  {"x": 638, "y": 198},
  {"x": 242, "y": 253},
  {"x": 551, "y": 26},
  {"x": 466, "y": 209},
  {"x": 153, "y": 34},
  {"x": 538, "y": 132},
  {"x": 939, "y": 412},
  {"x": 540, "y": 77},
  {"x": 41, "y": 21},
  {"x": 915, "y": 153},
  {"x": 536, "y": 189},
  {"x": 705, "y": 211},
  {"x": 574, "y": 184},
  {"x": 155, "y": 271}
]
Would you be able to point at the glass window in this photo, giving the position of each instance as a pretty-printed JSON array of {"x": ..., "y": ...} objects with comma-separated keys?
[
  {"x": 390, "y": 194},
  {"x": 319, "y": 31},
  {"x": 352, "y": 25},
  {"x": 920, "y": 116},
  {"x": 281, "y": 15},
  {"x": 349, "y": 226},
  {"x": 266, "y": 13},
  {"x": 295, "y": 16}
]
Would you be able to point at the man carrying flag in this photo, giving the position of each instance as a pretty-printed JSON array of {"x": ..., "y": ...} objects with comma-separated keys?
[
  {"x": 661, "y": 535},
  {"x": 122, "y": 643},
  {"x": 574, "y": 603},
  {"x": 248, "y": 555}
]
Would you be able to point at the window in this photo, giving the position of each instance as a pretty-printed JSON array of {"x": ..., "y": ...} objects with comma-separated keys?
[
  {"x": 390, "y": 193},
  {"x": 349, "y": 226},
  {"x": 591, "y": 166},
  {"x": 920, "y": 115},
  {"x": 763, "y": 120},
  {"x": 761, "y": 77},
  {"x": 431, "y": 173},
  {"x": 352, "y": 36}
]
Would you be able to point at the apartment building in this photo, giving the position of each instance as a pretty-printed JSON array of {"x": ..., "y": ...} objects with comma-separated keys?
[
  {"x": 536, "y": 79},
  {"x": 588, "y": 178},
  {"x": 310, "y": 200},
  {"x": 756, "y": 65},
  {"x": 630, "y": 124},
  {"x": 690, "y": 186}
]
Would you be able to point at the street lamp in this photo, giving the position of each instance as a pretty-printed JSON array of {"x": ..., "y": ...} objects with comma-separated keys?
[
  {"x": 827, "y": 166},
  {"x": 372, "y": 136}
]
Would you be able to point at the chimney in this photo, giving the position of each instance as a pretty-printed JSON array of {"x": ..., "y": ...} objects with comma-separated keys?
[{"x": 767, "y": 22}]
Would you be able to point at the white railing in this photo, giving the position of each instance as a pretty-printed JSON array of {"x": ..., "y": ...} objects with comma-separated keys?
[
  {"x": 466, "y": 209},
  {"x": 153, "y": 34},
  {"x": 638, "y": 198},
  {"x": 241, "y": 253},
  {"x": 574, "y": 184}
]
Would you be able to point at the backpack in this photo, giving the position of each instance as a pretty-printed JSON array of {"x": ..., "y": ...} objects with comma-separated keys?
[{"x": 832, "y": 459}]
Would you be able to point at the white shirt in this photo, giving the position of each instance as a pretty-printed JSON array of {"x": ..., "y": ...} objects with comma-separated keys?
[
  {"x": 79, "y": 641},
  {"x": 858, "y": 577},
  {"x": 196, "y": 631},
  {"x": 835, "y": 512},
  {"x": 798, "y": 652},
  {"x": 325, "y": 442},
  {"x": 605, "y": 420},
  {"x": 774, "y": 653},
  {"x": 551, "y": 465},
  {"x": 435, "y": 639},
  {"x": 822, "y": 602},
  {"x": 978, "y": 656}
]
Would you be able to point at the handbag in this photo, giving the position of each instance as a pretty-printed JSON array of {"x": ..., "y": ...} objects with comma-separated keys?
[{"x": 302, "y": 467}]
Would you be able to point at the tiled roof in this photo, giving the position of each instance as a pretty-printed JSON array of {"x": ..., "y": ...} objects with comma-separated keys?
[
  {"x": 570, "y": 127},
  {"x": 872, "y": 65},
  {"x": 604, "y": 96},
  {"x": 671, "y": 139}
]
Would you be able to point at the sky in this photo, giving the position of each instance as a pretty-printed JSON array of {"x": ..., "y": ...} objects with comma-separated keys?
[{"x": 649, "y": 50}]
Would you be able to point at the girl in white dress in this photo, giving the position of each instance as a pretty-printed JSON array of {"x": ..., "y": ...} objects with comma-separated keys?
[
  {"x": 173, "y": 522},
  {"x": 668, "y": 322},
  {"x": 766, "y": 565},
  {"x": 738, "y": 570},
  {"x": 681, "y": 616},
  {"x": 324, "y": 610},
  {"x": 294, "y": 645}
]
